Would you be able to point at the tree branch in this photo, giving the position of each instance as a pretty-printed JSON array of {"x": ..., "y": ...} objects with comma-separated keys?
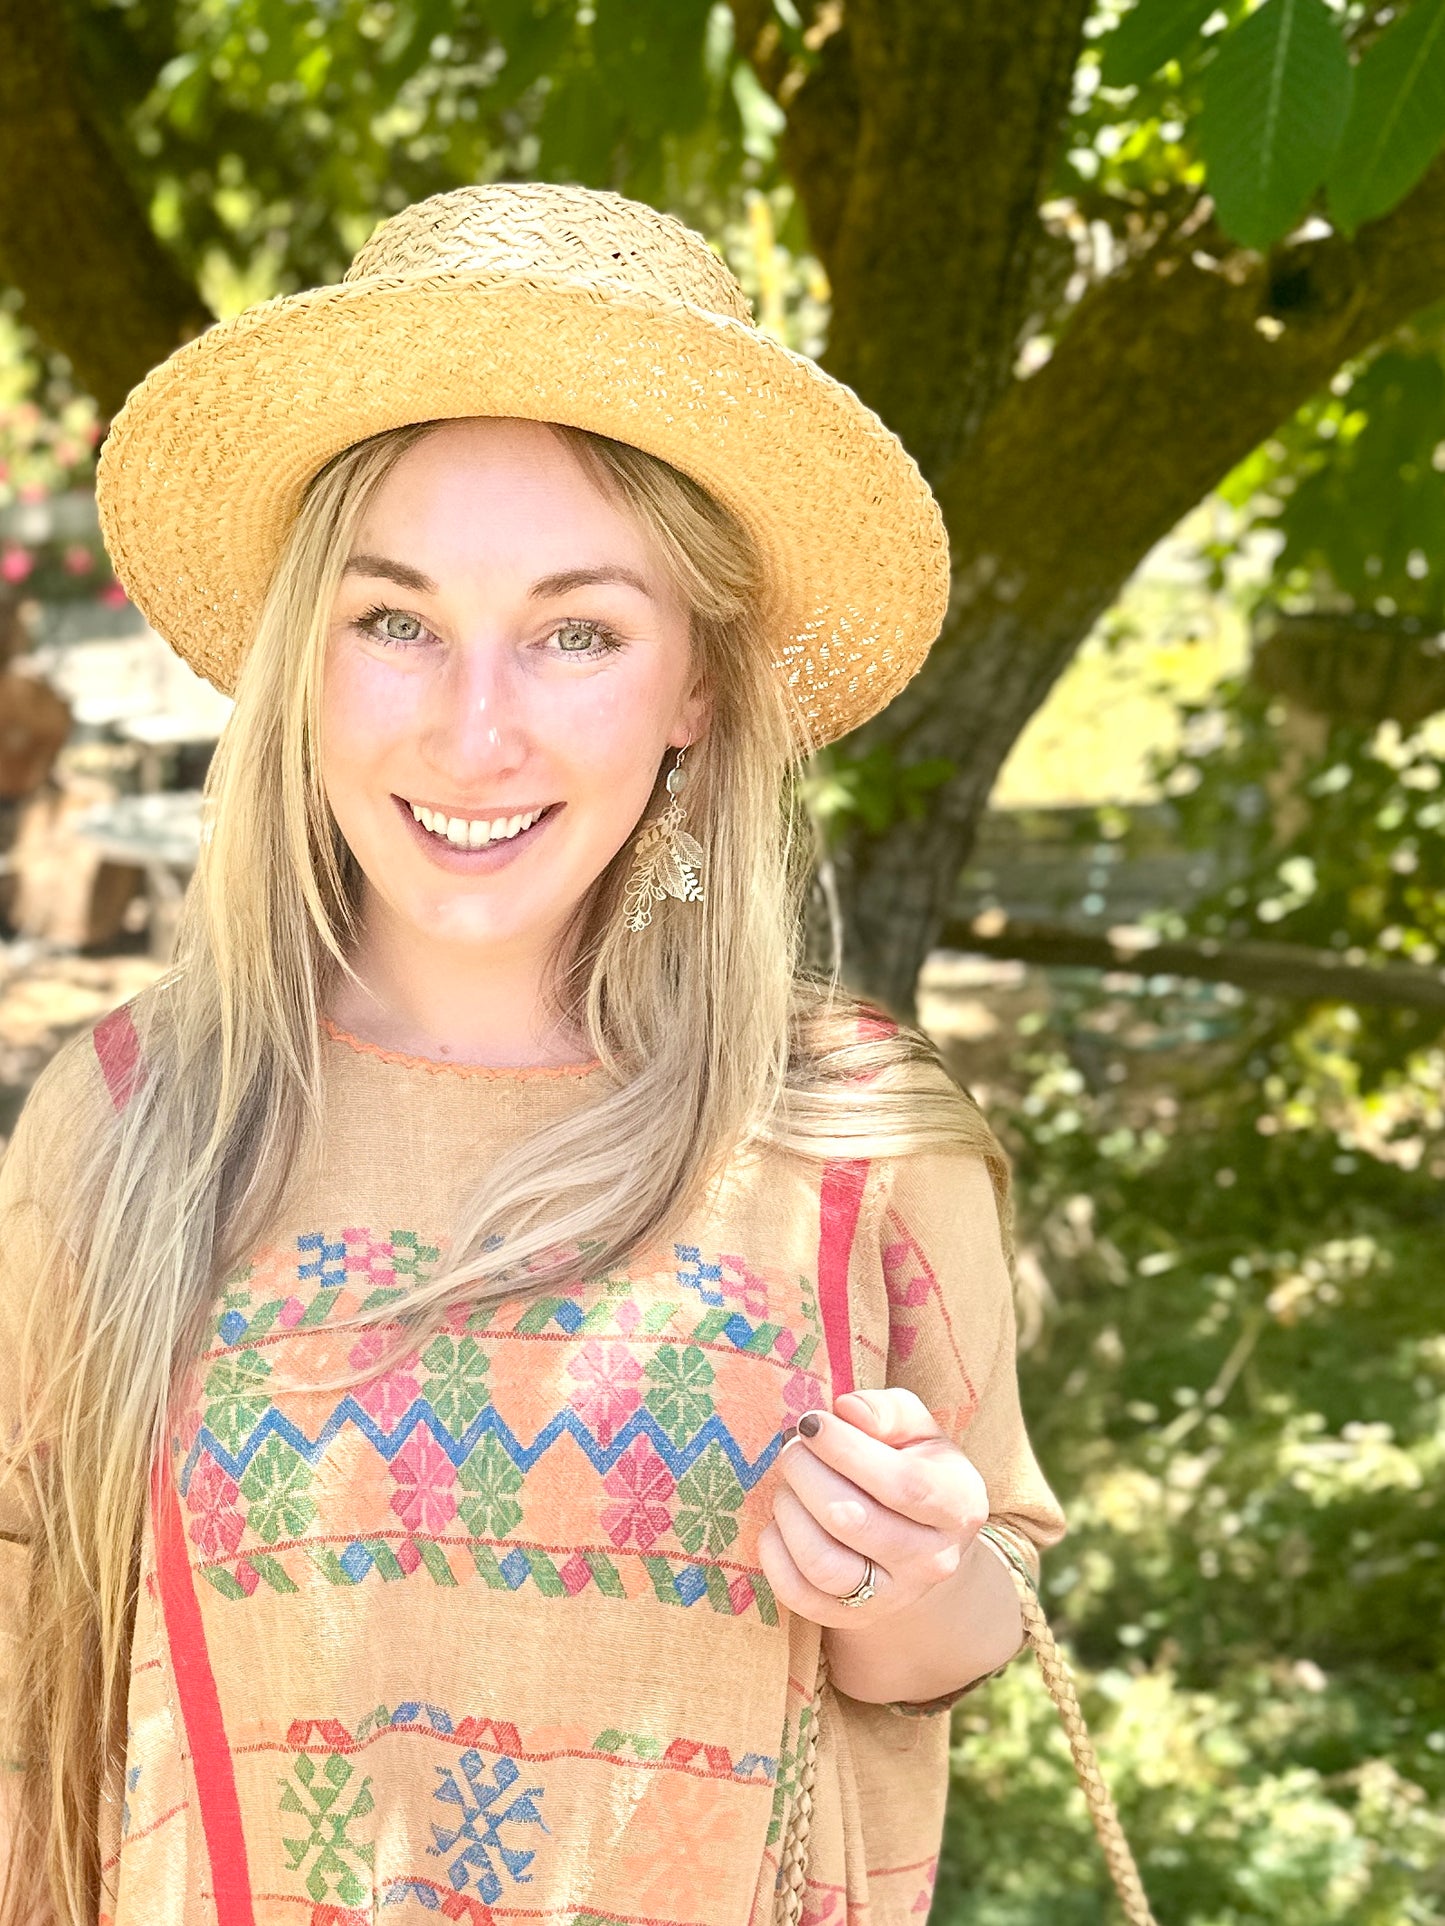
[
  {"x": 1167, "y": 375},
  {"x": 99, "y": 286},
  {"x": 1268, "y": 969}
]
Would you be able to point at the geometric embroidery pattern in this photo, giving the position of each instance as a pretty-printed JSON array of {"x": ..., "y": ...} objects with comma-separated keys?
[
  {"x": 501, "y": 1737},
  {"x": 640, "y": 1407},
  {"x": 324, "y": 1804},
  {"x": 472, "y": 1844}
]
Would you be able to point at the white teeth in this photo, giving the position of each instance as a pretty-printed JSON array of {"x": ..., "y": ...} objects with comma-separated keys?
[{"x": 464, "y": 833}]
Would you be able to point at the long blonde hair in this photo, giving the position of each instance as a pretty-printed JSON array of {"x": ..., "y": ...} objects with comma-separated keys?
[{"x": 711, "y": 1028}]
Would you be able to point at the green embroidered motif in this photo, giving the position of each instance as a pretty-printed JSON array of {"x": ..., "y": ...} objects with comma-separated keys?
[
  {"x": 410, "y": 1258},
  {"x": 678, "y": 1395},
  {"x": 790, "y": 1758},
  {"x": 708, "y": 1498},
  {"x": 457, "y": 1389},
  {"x": 328, "y": 1855},
  {"x": 275, "y": 1488},
  {"x": 236, "y": 1397},
  {"x": 491, "y": 1511}
]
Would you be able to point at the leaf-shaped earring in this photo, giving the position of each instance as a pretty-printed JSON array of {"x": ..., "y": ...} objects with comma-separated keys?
[{"x": 667, "y": 861}]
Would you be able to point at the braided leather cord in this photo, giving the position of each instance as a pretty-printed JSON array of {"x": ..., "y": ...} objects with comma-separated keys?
[
  {"x": 1059, "y": 1679},
  {"x": 793, "y": 1865}
]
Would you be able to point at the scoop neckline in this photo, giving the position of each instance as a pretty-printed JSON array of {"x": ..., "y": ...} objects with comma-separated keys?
[{"x": 521, "y": 1072}]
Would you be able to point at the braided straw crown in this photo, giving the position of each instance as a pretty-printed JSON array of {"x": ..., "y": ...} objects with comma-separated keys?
[{"x": 553, "y": 304}]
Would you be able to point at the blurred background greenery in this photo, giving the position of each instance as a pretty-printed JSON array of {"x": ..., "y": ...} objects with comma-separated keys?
[{"x": 1155, "y": 294}]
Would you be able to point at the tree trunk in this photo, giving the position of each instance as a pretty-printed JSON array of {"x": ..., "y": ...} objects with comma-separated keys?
[
  {"x": 98, "y": 284},
  {"x": 896, "y": 889},
  {"x": 921, "y": 136}
]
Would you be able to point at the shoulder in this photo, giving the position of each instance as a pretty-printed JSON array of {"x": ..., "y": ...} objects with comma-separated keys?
[{"x": 82, "y": 1089}]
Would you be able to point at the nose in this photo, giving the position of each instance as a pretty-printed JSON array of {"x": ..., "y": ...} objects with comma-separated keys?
[{"x": 474, "y": 730}]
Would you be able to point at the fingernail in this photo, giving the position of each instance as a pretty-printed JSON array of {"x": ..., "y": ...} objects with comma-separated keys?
[
  {"x": 809, "y": 1424},
  {"x": 791, "y": 1432}
]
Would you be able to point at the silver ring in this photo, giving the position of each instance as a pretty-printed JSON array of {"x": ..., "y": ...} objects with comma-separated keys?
[{"x": 865, "y": 1588}]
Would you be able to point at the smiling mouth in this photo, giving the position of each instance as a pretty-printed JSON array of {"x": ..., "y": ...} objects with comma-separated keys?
[{"x": 470, "y": 832}]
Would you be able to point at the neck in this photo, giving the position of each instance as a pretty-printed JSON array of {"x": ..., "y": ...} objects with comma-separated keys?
[{"x": 452, "y": 1003}]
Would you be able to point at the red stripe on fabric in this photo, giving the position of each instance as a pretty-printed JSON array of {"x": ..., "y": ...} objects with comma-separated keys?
[
  {"x": 840, "y": 1197},
  {"x": 118, "y": 1048},
  {"x": 200, "y": 1709}
]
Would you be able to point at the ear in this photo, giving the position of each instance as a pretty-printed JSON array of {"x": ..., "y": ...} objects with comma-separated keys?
[{"x": 695, "y": 717}]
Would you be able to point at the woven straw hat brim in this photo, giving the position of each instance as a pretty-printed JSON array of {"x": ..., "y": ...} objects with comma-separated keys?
[{"x": 206, "y": 464}]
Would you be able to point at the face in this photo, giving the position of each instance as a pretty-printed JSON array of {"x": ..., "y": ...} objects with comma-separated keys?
[{"x": 505, "y": 670}]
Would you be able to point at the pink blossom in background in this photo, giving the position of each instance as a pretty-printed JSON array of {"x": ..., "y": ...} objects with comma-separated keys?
[
  {"x": 113, "y": 596},
  {"x": 78, "y": 560},
  {"x": 15, "y": 564},
  {"x": 32, "y": 491}
]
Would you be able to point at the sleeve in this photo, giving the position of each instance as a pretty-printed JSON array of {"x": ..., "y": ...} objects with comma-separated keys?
[
  {"x": 952, "y": 1338},
  {"x": 33, "y": 1168}
]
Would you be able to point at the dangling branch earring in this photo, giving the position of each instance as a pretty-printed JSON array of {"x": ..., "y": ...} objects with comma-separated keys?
[{"x": 667, "y": 861}]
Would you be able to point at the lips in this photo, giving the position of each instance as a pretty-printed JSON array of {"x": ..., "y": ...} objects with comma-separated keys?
[
  {"x": 460, "y": 856},
  {"x": 475, "y": 832}
]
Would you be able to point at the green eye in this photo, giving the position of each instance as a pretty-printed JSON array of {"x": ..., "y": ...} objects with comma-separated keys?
[
  {"x": 392, "y": 625},
  {"x": 576, "y": 637}
]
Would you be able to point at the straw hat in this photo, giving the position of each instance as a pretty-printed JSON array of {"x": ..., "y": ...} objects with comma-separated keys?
[{"x": 556, "y": 304}]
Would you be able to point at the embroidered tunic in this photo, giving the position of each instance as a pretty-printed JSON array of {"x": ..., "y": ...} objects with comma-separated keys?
[{"x": 485, "y": 1637}]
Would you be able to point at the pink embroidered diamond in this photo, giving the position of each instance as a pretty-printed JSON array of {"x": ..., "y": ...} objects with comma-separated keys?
[
  {"x": 643, "y": 1485},
  {"x": 607, "y": 1394},
  {"x": 575, "y": 1573},
  {"x": 388, "y": 1397},
  {"x": 424, "y": 1474},
  {"x": 740, "y": 1594},
  {"x": 211, "y": 1496},
  {"x": 802, "y": 1392},
  {"x": 742, "y": 1284}
]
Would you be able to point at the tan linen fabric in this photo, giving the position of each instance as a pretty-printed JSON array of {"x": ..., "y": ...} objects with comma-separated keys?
[{"x": 485, "y": 1636}]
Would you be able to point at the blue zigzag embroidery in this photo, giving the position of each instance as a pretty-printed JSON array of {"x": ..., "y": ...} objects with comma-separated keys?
[{"x": 421, "y": 1415}]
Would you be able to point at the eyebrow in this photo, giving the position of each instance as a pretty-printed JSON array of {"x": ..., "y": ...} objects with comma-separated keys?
[
  {"x": 549, "y": 585},
  {"x": 571, "y": 578},
  {"x": 397, "y": 572}
]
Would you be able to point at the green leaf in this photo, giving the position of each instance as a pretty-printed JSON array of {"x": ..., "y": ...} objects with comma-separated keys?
[
  {"x": 1152, "y": 32},
  {"x": 1275, "y": 100},
  {"x": 1397, "y": 120}
]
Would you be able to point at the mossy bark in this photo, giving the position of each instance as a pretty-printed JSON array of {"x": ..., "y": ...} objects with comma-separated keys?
[
  {"x": 921, "y": 135},
  {"x": 98, "y": 285}
]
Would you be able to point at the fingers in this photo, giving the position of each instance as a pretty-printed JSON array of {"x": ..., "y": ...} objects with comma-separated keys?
[
  {"x": 834, "y": 1568},
  {"x": 844, "y": 1513},
  {"x": 893, "y": 1415},
  {"x": 794, "y": 1589},
  {"x": 926, "y": 1478}
]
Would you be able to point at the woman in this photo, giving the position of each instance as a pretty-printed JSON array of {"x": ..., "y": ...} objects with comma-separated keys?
[{"x": 431, "y": 1316}]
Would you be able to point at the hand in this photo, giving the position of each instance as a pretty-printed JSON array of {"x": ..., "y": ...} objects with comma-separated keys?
[{"x": 877, "y": 1479}]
